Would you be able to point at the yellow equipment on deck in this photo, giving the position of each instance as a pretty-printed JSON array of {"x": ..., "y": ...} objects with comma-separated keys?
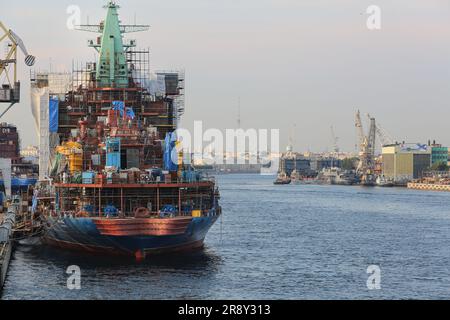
[
  {"x": 196, "y": 213},
  {"x": 73, "y": 151}
]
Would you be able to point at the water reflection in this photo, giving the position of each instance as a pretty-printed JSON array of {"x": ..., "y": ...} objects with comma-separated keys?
[
  {"x": 106, "y": 277},
  {"x": 203, "y": 259}
]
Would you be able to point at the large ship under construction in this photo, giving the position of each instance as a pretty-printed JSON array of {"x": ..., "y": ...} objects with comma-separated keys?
[{"x": 117, "y": 182}]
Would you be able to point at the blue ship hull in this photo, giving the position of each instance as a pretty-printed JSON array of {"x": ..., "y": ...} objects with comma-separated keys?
[{"x": 83, "y": 234}]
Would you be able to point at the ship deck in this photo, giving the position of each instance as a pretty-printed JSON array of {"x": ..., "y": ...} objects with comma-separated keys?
[
  {"x": 136, "y": 185},
  {"x": 131, "y": 200}
]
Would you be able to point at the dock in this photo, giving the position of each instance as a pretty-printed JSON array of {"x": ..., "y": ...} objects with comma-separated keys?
[
  {"x": 429, "y": 186},
  {"x": 5, "y": 256},
  {"x": 7, "y": 223}
]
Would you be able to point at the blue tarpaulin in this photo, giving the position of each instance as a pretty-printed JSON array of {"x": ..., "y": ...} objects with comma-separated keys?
[
  {"x": 170, "y": 152},
  {"x": 53, "y": 114},
  {"x": 130, "y": 113},
  {"x": 119, "y": 106}
]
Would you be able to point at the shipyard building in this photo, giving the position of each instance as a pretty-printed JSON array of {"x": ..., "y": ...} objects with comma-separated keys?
[
  {"x": 439, "y": 154},
  {"x": 299, "y": 163},
  {"x": 306, "y": 166},
  {"x": 405, "y": 162}
]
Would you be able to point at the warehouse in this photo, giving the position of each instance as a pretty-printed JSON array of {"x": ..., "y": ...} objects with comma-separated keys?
[{"x": 406, "y": 161}]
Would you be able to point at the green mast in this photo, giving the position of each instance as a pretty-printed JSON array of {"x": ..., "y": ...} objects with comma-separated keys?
[{"x": 112, "y": 68}]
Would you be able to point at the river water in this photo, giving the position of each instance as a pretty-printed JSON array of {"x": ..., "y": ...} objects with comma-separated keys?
[{"x": 273, "y": 242}]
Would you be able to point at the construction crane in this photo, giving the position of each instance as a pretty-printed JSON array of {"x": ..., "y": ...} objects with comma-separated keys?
[
  {"x": 359, "y": 130},
  {"x": 10, "y": 86},
  {"x": 335, "y": 141},
  {"x": 366, "y": 166}
]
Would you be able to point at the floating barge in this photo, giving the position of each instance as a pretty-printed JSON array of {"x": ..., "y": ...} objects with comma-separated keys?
[
  {"x": 117, "y": 182},
  {"x": 428, "y": 186}
]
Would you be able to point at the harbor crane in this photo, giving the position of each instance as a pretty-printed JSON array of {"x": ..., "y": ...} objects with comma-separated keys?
[
  {"x": 385, "y": 138},
  {"x": 366, "y": 166},
  {"x": 335, "y": 141},
  {"x": 10, "y": 86}
]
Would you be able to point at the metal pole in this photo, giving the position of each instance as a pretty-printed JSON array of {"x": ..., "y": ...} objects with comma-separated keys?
[
  {"x": 179, "y": 201},
  {"x": 15, "y": 64},
  {"x": 99, "y": 203},
  {"x": 121, "y": 201},
  {"x": 61, "y": 203},
  {"x": 157, "y": 200},
  {"x": 7, "y": 109}
]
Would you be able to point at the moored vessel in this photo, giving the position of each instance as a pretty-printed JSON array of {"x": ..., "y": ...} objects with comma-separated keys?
[
  {"x": 118, "y": 182},
  {"x": 382, "y": 181},
  {"x": 282, "y": 178},
  {"x": 336, "y": 176}
]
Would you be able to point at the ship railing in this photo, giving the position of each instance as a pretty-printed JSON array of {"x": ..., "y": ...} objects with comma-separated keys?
[
  {"x": 204, "y": 212},
  {"x": 129, "y": 177}
]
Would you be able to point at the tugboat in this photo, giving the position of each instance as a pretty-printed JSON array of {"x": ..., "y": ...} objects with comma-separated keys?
[
  {"x": 118, "y": 184},
  {"x": 282, "y": 178}
]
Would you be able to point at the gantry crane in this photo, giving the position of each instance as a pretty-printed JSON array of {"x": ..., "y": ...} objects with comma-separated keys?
[
  {"x": 10, "y": 85},
  {"x": 366, "y": 166},
  {"x": 385, "y": 138}
]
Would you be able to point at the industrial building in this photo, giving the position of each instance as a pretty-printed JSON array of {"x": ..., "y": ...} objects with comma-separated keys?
[
  {"x": 9, "y": 142},
  {"x": 439, "y": 154},
  {"x": 45, "y": 87},
  {"x": 318, "y": 164},
  {"x": 296, "y": 162},
  {"x": 306, "y": 166},
  {"x": 405, "y": 162}
]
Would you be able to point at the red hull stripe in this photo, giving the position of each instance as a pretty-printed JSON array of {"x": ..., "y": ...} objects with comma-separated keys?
[{"x": 142, "y": 227}]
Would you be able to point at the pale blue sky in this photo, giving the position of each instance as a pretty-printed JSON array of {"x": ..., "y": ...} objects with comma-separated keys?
[{"x": 308, "y": 62}]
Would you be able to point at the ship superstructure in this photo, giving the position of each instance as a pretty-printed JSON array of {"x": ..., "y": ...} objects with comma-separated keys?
[{"x": 117, "y": 182}]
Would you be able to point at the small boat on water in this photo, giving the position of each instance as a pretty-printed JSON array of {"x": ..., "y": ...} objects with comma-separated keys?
[
  {"x": 282, "y": 178},
  {"x": 382, "y": 181},
  {"x": 297, "y": 178},
  {"x": 368, "y": 180}
]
